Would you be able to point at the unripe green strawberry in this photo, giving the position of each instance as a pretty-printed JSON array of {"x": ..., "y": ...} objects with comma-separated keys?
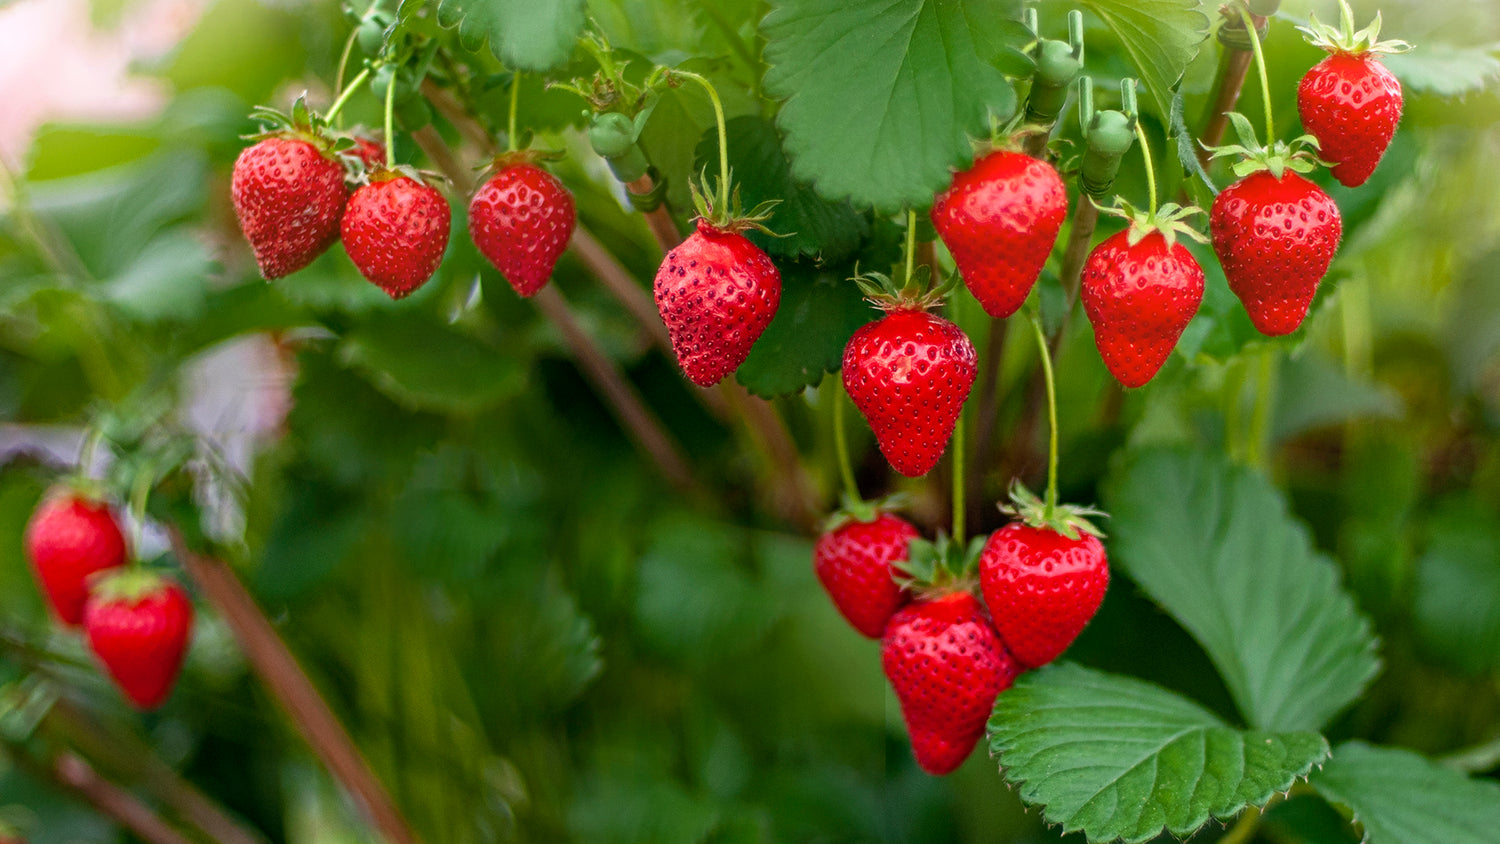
[
  {"x": 138, "y": 626},
  {"x": 395, "y": 231},
  {"x": 69, "y": 539},
  {"x": 1000, "y": 219}
]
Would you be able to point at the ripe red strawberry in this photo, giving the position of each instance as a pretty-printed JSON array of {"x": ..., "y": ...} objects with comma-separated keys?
[
  {"x": 909, "y": 373},
  {"x": 855, "y": 561},
  {"x": 68, "y": 539},
  {"x": 947, "y": 667},
  {"x": 395, "y": 230},
  {"x": 717, "y": 292},
  {"x": 1000, "y": 219},
  {"x": 1349, "y": 101},
  {"x": 521, "y": 220},
  {"x": 370, "y": 152},
  {"x": 138, "y": 626},
  {"x": 1140, "y": 290},
  {"x": 1043, "y": 578},
  {"x": 1276, "y": 239},
  {"x": 288, "y": 195}
]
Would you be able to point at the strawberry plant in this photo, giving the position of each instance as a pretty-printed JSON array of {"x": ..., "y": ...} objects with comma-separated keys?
[{"x": 430, "y": 421}]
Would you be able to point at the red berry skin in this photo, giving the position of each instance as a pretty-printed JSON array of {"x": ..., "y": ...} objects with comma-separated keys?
[
  {"x": 1000, "y": 219},
  {"x": 68, "y": 539},
  {"x": 288, "y": 198},
  {"x": 909, "y": 373},
  {"x": 141, "y": 643},
  {"x": 395, "y": 230},
  {"x": 716, "y": 292},
  {"x": 947, "y": 667},
  {"x": 1351, "y": 104},
  {"x": 1041, "y": 588},
  {"x": 521, "y": 220},
  {"x": 854, "y": 562},
  {"x": 1139, "y": 299},
  {"x": 370, "y": 152},
  {"x": 1275, "y": 239}
]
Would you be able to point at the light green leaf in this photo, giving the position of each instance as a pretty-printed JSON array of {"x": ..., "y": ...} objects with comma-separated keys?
[
  {"x": 1115, "y": 757},
  {"x": 524, "y": 35},
  {"x": 1213, "y": 544},
  {"x": 1400, "y": 797},
  {"x": 819, "y": 311},
  {"x": 1161, "y": 36},
  {"x": 881, "y": 97},
  {"x": 168, "y": 280},
  {"x": 426, "y": 365},
  {"x": 1313, "y": 392},
  {"x": 1446, "y": 70}
]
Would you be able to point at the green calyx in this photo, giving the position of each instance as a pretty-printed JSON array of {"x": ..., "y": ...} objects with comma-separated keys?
[
  {"x": 128, "y": 585},
  {"x": 916, "y": 294},
  {"x": 1070, "y": 520},
  {"x": 940, "y": 567},
  {"x": 1298, "y": 156},
  {"x": 301, "y": 123},
  {"x": 721, "y": 208},
  {"x": 1170, "y": 219},
  {"x": 1345, "y": 40},
  {"x": 864, "y": 512}
]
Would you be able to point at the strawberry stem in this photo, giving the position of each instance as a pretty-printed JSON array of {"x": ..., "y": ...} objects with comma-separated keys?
[
  {"x": 713, "y": 97},
  {"x": 1041, "y": 345},
  {"x": 1260, "y": 418},
  {"x": 1140, "y": 136},
  {"x": 841, "y": 447},
  {"x": 1260, "y": 69},
  {"x": 911, "y": 244},
  {"x": 390, "y": 123},
  {"x": 354, "y": 85},
  {"x": 515, "y": 96},
  {"x": 338, "y": 79},
  {"x": 138, "y": 495},
  {"x": 86, "y": 454},
  {"x": 959, "y": 505}
]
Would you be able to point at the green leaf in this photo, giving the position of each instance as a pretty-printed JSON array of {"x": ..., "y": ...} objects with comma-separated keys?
[
  {"x": 881, "y": 97},
  {"x": 1161, "y": 36},
  {"x": 169, "y": 280},
  {"x": 819, "y": 311},
  {"x": 1400, "y": 797},
  {"x": 809, "y": 225},
  {"x": 525, "y": 35},
  {"x": 1457, "y": 602},
  {"x": 1446, "y": 70},
  {"x": 1313, "y": 392},
  {"x": 1214, "y": 545},
  {"x": 429, "y": 366},
  {"x": 1115, "y": 757}
]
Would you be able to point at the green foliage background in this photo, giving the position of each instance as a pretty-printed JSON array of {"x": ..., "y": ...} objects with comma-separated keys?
[{"x": 534, "y": 637}]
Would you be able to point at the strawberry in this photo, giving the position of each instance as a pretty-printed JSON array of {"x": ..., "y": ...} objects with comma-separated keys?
[
  {"x": 716, "y": 291},
  {"x": 138, "y": 626},
  {"x": 1140, "y": 289},
  {"x": 288, "y": 192},
  {"x": 1000, "y": 219},
  {"x": 1276, "y": 237},
  {"x": 370, "y": 152},
  {"x": 521, "y": 220},
  {"x": 395, "y": 230},
  {"x": 1349, "y": 101},
  {"x": 1043, "y": 577},
  {"x": 69, "y": 538},
  {"x": 855, "y": 561},
  {"x": 947, "y": 667}
]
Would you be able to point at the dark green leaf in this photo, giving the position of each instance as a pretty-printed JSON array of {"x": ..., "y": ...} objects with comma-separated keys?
[
  {"x": 1400, "y": 797},
  {"x": 810, "y": 225},
  {"x": 882, "y": 98},
  {"x": 525, "y": 35},
  {"x": 819, "y": 311},
  {"x": 1313, "y": 392},
  {"x": 1446, "y": 70},
  {"x": 1213, "y": 544},
  {"x": 1114, "y": 757},
  {"x": 427, "y": 365},
  {"x": 1161, "y": 36},
  {"x": 1457, "y": 602}
]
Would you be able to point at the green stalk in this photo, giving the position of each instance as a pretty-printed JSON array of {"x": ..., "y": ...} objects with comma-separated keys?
[
  {"x": 713, "y": 96},
  {"x": 911, "y": 244},
  {"x": 841, "y": 447},
  {"x": 390, "y": 124},
  {"x": 354, "y": 85},
  {"x": 959, "y": 505},
  {"x": 1140, "y": 137},
  {"x": 1260, "y": 418},
  {"x": 338, "y": 79},
  {"x": 1046, "y": 355},
  {"x": 1260, "y": 68},
  {"x": 510, "y": 126}
]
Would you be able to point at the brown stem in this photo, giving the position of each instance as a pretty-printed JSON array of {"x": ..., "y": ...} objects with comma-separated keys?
[
  {"x": 72, "y": 772},
  {"x": 448, "y": 105},
  {"x": 288, "y": 683},
  {"x": 659, "y": 219},
  {"x": 796, "y": 497},
  {"x": 1035, "y": 144},
  {"x": 621, "y": 285},
  {"x": 1085, "y": 220},
  {"x": 640, "y": 423},
  {"x": 1233, "y": 66}
]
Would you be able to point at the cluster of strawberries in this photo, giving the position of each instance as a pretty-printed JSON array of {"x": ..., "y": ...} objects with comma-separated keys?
[
  {"x": 136, "y": 622},
  {"x": 1042, "y": 578},
  {"x": 292, "y": 196}
]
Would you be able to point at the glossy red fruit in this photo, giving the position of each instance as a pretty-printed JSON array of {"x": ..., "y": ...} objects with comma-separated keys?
[
  {"x": 909, "y": 373},
  {"x": 288, "y": 196},
  {"x": 521, "y": 220},
  {"x": 370, "y": 152},
  {"x": 395, "y": 230},
  {"x": 1139, "y": 299},
  {"x": 1275, "y": 239},
  {"x": 716, "y": 292},
  {"x": 1000, "y": 219},
  {"x": 1351, "y": 103},
  {"x": 68, "y": 539},
  {"x": 138, "y": 626},
  {"x": 855, "y": 563},
  {"x": 1041, "y": 588},
  {"x": 947, "y": 667}
]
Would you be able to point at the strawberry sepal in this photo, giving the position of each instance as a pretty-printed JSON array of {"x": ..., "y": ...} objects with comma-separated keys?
[
  {"x": 864, "y": 512},
  {"x": 1070, "y": 520},
  {"x": 940, "y": 567},
  {"x": 1345, "y": 40}
]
